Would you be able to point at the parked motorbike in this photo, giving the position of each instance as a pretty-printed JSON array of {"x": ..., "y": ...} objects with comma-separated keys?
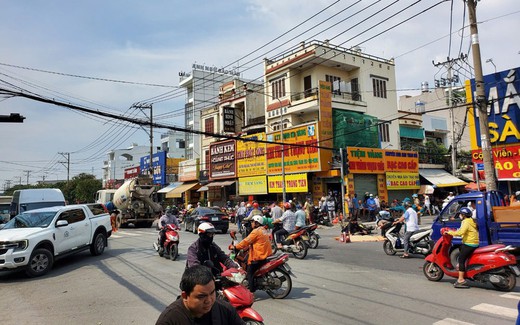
[
  {"x": 229, "y": 287},
  {"x": 314, "y": 237},
  {"x": 274, "y": 277},
  {"x": 321, "y": 217},
  {"x": 489, "y": 264},
  {"x": 420, "y": 241},
  {"x": 170, "y": 247},
  {"x": 357, "y": 228},
  {"x": 296, "y": 242}
]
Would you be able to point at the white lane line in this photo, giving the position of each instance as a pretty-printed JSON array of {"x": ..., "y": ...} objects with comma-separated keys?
[
  {"x": 451, "y": 321},
  {"x": 511, "y": 295},
  {"x": 496, "y": 310}
]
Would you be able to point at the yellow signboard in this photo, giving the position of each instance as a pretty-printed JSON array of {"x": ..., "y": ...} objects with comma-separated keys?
[
  {"x": 402, "y": 181},
  {"x": 294, "y": 183},
  {"x": 302, "y": 158},
  {"x": 255, "y": 185},
  {"x": 251, "y": 156}
]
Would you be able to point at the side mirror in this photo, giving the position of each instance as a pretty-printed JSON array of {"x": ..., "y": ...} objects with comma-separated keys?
[{"x": 62, "y": 223}]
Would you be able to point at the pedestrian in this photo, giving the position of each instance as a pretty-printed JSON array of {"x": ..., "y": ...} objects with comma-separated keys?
[
  {"x": 427, "y": 204},
  {"x": 308, "y": 207},
  {"x": 197, "y": 303},
  {"x": 411, "y": 226},
  {"x": 372, "y": 207},
  {"x": 113, "y": 219},
  {"x": 355, "y": 205}
]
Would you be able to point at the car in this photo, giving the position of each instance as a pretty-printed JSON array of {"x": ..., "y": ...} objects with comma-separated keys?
[{"x": 219, "y": 219}]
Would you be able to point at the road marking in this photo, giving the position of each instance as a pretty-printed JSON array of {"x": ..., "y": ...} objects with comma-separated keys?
[
  {"x": 497, "y": 310},
  {"x": 451, "y": 321},
  {"x": 511, "y": 295}
]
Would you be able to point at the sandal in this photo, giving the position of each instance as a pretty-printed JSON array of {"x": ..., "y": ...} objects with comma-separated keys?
[
  {"x": 461, "y": 285},
  {"x": 405, "y": 256}
]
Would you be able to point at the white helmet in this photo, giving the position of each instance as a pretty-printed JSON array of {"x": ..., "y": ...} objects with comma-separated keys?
[
  {"x": 206, "y": 227},
  {"x": 248, "y": 205},
  {"x": 258, "y": 219}
]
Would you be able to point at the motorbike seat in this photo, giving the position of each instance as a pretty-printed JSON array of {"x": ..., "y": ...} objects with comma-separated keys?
[{"x": 489, "y": 248}]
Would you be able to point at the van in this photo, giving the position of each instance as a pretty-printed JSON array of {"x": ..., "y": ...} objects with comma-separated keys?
[
  {"x": 5, "y": 203},
  {"x": 30, "y": 199}
]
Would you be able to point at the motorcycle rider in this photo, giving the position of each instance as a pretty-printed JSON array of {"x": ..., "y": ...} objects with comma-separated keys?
[
  {"x": 169, "y": 217},
  {"x": 276, "y": 211},
  {"x": 260, "y": 249},
  {"x": 470, "y": 240},
  {"x": 204, "y": 249},
  {"x": 289, "y": 222},
  {"x": 241, "y": 214},
  {"x": 300, "y": 217},
  {"x": 411, "y": 221}
]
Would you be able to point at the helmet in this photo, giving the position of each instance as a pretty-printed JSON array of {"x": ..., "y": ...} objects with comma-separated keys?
[
  {"x": 287, "y": 205},
  {"x": 466, "y": 212},
  {"x": 259, "y": 219},
  {"x": 415, "y": 195},
  {"x": 206, "y": 227},
  {"x": 255, "y": 205},
  {"x": 248, "y": 205},
  {"x": 174, "y": 210},
  {"x": 168, "y": 208}
]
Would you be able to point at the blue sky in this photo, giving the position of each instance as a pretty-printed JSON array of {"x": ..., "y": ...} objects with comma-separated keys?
[{"x": 152, "y": 41}]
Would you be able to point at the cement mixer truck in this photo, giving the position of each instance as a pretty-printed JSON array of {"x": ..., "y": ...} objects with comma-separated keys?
[{"x": 134, "y": 199}]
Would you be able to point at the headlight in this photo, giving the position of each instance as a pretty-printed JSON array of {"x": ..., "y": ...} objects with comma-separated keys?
[{"x": 16, "y": 245}]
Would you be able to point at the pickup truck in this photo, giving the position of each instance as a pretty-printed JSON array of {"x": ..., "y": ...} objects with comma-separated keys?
[
  {"x": 497, "y": 223},
  {"x": 33, "y": 240}
]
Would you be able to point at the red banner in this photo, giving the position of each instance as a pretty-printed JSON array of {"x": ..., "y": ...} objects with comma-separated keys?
[{"x": 507, "y": 161}]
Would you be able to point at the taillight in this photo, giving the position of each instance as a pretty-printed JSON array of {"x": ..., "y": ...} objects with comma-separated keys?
[
  {"x": 204, "y": 218},
  {"x": 225, "y": 218}
]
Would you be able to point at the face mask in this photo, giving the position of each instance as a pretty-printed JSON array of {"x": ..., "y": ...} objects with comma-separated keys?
[{"x": 205, "y": 240}]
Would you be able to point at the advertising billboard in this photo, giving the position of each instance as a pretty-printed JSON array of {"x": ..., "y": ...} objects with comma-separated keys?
[
  {"x": 222, "y": 163},
  {"x": 158, "y": 167},
  {"x": 251, "y": 159}
]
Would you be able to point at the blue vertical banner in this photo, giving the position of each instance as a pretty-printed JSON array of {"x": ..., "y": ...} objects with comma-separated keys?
[{"x": 158, "y": 166}]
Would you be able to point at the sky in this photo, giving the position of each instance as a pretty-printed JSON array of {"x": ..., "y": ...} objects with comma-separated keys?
[{"x": 108, "y": 55}]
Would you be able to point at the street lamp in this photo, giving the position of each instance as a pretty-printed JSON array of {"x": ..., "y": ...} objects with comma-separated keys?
[{"x": 490, "y": 60}]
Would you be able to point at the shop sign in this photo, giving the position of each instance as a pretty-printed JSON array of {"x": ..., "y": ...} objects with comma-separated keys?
[
  {"x": 402, "y": 181},
  {"x": 222, "y": 159},
  {"x": 188, "y": 170},
  {"x": 507, "y": 162},
  {"x": 132, "y": 172},
  {"x": 381, "y": 188},
  {"x": 365, "y": 160},
  {"x": 229, "y": 119},
  {"x": 172, "y": 165},
  {"x": 158, "y": 167},
  {"x": 401, "y": 161},
  {"x": 251, "y": 158},
  {"x": 305, "y": 157},
  {"x": 254, "y": 185},
  {"x": 294, "y": 183}
]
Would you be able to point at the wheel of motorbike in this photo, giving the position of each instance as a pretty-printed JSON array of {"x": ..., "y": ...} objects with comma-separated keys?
[
  {"x": 252, "y": 322},
  {"x": 313, "y": 241},
  {"x": 388, "y": 248},
  {"x": 274, "y": 248},
  {"x": 302, "y": 250},
  {"x": 186, "y": 226},
  {"x": 432, "y": 271},
  {"x": 174, "y": 252},
  {"x": 454, "y": 256},
  {"x": 285, "y": 286},
  {"x": 509, "y": 284},
  {"x": 161, "y": 251}
]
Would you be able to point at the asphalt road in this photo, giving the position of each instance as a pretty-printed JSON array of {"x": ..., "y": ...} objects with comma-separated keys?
[{"x": 355, "y": 283}]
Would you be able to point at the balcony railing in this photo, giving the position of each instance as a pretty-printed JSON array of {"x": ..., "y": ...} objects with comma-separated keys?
[{"x": 353, "y": 96}]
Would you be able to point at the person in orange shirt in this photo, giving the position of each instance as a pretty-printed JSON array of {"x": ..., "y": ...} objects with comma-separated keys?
[{"x": 259, "y": 249}]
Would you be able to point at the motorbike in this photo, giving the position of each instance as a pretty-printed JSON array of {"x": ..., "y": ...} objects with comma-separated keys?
[
  {"x": 170, "y": 247},
  {"x": 489, "y": 264},
  {"x": 295, "y": 242},
  {"x": 314, "y": 237},
  {"x": 357, "y": 228},
  {"x": 274, "y": 277},
  {"x": 321, "y": 217},
  {"x": 229, "y": 287},
  {"x": 420, "y": 241}
]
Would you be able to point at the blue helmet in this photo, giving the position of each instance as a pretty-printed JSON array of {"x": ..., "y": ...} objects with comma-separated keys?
[{"x": 466, "y": 212}]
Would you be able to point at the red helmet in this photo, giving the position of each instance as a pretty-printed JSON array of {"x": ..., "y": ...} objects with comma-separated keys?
[
  {"x": 255, "y": 205},
  {"x": 287, "y": 205}
]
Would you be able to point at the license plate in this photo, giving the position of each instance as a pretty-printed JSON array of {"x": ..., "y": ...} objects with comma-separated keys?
[
  {"x": 516, "y": 270},
  {"x": 214, "y": 218}
]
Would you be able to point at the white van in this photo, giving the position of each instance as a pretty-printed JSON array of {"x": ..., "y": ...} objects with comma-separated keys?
[
  {"x": 30, "y": 199},
  {"x": 5, "y": 203}
]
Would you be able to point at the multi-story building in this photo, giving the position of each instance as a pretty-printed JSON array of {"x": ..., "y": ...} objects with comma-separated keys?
[
  {"x": 174, "y": 144},
  {"x": 202, "y": 87},
  {"x": 121, "y": 159}
]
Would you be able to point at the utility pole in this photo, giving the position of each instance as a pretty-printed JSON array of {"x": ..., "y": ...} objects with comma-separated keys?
[
  {"x": 487, "y": 157},
  {"x": 450, "y": 81},
  {"x": 150, "y": 107},
  {"x": 66, "y": 155},
  {"x": 27, "y": 172}
]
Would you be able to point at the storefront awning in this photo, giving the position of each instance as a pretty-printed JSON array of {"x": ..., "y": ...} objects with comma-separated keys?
[
  {"x": 411, "y": 133},
  {"x": 169, "y": 187},
  {"x": 426, "y": 189},
  {"x": 440, "y": 178},
  {"x": 224, "y": 183},
  {"x": 177, "y": 192},
  {"x": 203, "y": 189}
]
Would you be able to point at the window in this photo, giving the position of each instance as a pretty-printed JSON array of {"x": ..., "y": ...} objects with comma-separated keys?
[
  {"x": 73, "y": 216},
  {"x": 334, "y": 81},
  {"x": 209, "y": 126},
  {"x": 384, "y": 132},
  {"x": 379, "y": 87},
  {"x": 181, "y": 144},
  {"x": 278, "y": 88},
  {"x": 206, "y": 160}
]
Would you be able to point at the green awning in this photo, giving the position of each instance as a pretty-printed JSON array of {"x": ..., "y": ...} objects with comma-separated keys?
[{"x": 412, "y": 133}]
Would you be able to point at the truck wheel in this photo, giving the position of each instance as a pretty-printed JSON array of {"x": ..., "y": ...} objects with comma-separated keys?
[
  {"x": 40, "y": 262},
  {"x": 98, "y": 245}
]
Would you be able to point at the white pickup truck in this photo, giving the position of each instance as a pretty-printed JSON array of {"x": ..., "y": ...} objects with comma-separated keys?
[{"x": 33, "y": 240}]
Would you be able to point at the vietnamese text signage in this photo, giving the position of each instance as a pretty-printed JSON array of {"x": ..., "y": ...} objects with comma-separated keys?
[
  {"x": 294, "y": 183},
  {"x": 222, "y": 159},
  {"x": 229, "y": 119},
  {"x": 402, "y": 181},
  {"x": 401, "y": 161},
  {"x": 365, "y": 160},
  {"x": 250, "y": 156},
  {"x": 254, "y": 185},
  {"x": 507, "y": 162},
  {"x": 188, "y": 170},
  {"x": 158, "y": 167}
]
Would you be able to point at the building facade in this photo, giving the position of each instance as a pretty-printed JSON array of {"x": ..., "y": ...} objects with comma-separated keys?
[{"x": 121, "y": 159}]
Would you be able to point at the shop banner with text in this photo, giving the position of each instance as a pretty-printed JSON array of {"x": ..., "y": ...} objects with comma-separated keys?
[
  {"x": 402, "y": 181},
  {"x": 294, "y": 183},
  {"x": 507, "y": 162},
  {"x": 365, "y": 160},
  {"x": 251, "y": 160},
  {"x": 254, "y": 185},
  {"x": 401, "y": 161}
]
